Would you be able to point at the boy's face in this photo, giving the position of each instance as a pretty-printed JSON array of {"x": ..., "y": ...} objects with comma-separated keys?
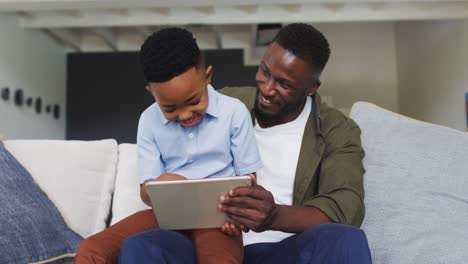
[{"x": 184, "y": 98}]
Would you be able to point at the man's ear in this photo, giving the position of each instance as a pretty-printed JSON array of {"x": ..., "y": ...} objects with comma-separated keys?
[
  {"x": 209, "y": 73},
  {"x": 314, "y": 87}
]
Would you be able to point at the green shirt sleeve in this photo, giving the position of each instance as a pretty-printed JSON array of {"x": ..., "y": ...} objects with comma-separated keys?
[{"x": 340, "y": 191}]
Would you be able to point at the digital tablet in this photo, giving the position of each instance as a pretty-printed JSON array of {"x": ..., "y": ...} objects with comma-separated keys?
[{"x": 191, "y": 204}]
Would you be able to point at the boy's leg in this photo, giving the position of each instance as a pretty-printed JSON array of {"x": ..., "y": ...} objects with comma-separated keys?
[
  {"x": 213, "y": 246},
  {"x": 104, "y": 247},
  {"x": 327, "y": 243},
  {"x": 158, "y": 246}
]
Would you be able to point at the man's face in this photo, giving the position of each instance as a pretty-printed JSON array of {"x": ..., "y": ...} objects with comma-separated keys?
[
  {"x": 283, "y": 83},
  {"x": 184, "y": 98}
]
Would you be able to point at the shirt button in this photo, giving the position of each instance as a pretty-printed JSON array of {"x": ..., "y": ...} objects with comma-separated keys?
[
  {"x": 190, "y": 161},
  {"x": 190, "y": 135}
]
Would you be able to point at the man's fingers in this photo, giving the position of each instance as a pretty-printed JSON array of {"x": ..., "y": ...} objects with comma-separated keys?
[
  {"x": 247, "y": 223},
  {"x": 257, "y": 192},
  {"x": 241, "y": 212},
  {"x": 242, "y": 202},
  {"x": 253, "y": 178}
]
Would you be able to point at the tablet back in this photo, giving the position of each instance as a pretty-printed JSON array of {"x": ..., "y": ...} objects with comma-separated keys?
[{"x": 191, "y": 204}]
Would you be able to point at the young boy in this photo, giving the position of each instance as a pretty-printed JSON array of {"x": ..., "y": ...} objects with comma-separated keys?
[{"x": 192, "y": 131}]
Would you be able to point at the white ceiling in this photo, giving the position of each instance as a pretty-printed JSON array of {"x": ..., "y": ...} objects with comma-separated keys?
[{"x": 68, "y": 20}]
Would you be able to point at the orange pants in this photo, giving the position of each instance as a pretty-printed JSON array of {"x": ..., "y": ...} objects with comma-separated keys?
[{"x": 211, "y": 245}]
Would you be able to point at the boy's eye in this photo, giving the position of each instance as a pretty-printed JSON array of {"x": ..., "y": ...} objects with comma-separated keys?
[{"x": 195, "y": 103}]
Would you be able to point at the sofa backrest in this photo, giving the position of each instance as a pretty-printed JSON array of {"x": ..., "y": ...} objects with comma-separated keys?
[
  {"x": 127, "y": 187},
  {"x": 78, "y": 177},
  {"x": 416, "y": 184}
]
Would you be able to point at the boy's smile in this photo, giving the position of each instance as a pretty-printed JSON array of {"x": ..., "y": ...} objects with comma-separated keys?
[
  {"x": 191, "y": 122},
  {"x": 184, "y": 98}
]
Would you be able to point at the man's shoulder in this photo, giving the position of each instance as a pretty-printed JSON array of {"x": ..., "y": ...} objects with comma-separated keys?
[
  {"x": 233, "y": 108},
  {"x": 245, "y": 94},
  {"x": 332, "y": 118}
]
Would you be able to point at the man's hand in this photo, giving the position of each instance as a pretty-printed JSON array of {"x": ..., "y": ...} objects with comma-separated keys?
[{"x": 252, "y": 207}]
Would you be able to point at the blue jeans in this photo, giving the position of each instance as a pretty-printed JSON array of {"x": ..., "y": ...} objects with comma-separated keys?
[{"x": 327, "y": 243}]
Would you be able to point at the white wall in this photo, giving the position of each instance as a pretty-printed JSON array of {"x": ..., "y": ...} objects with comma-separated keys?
[
  {"x": 433, "y": 70},
  {"x": 31, "y": 61},
  {"x": 362, "y": 65}
]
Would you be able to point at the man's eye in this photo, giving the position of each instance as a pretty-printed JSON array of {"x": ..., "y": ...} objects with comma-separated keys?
[
  {"x": 266, "y": 73},
  {"x": 285, "y": 85}
]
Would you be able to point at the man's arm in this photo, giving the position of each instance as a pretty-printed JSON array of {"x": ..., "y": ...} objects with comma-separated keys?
[
  {"x": 339, "y": 197},
  {"x": 259, "y": 212},
  {"x": 340, "y": 193}
]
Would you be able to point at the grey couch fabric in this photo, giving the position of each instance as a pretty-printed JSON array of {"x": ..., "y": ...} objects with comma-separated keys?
[
  {"x": 31, "y": 227},
  {"x": 416, "y": 185}
]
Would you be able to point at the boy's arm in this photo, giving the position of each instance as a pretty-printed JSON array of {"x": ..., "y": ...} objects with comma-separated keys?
[
  {"x": 244, "y": 151},
  {"x": 150, "y": 165}
]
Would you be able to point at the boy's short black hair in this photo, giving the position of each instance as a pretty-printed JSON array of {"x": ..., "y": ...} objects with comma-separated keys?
[
  {"x": 305, "y": 42},
  {"x": 168, "y": 53}
]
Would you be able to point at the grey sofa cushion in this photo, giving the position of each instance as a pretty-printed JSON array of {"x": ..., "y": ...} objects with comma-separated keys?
[
  {"x": 31, "y": 227},
  {"x": 416, "y": 185}
]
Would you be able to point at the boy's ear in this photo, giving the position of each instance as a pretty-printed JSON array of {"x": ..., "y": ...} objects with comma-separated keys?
[
  {"x": 148, "y": 88},
  {"x": 209, "y": 73}
]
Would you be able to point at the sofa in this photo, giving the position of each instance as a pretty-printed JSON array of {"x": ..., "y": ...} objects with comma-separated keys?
[{"x": 416, "y": 185}]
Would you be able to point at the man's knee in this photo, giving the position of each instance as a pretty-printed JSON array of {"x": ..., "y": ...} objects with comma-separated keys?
[
  {"x": 334, "y": 243},
  {"x": 335, "y": 235},
  {"x": 158, "y": 246},
  {"x": 156, "y": 238},
  {"x": 348, "y": 232},
  {"x": 132, "y": 242},
  {"x": 335, "y": 230}
]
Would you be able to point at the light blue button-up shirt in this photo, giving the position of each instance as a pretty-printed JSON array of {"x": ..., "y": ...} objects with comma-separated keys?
[{"x": 222, "y": 144}]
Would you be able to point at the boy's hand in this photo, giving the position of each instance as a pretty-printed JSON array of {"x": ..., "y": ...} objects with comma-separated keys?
[
  {"x": 231, "y": 229},
  {"x": 170, "y": 177},
  {"x": 163, "y": 177}
]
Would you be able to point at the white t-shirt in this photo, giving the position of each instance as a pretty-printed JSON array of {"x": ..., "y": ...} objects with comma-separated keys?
[{"x": 279, "y": 148}]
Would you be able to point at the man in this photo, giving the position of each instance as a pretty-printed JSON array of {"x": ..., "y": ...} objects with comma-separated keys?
[{"x": 310, "y": 190}]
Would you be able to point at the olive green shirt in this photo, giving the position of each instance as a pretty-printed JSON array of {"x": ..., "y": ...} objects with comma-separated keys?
[{"x": 329, "y": 174}]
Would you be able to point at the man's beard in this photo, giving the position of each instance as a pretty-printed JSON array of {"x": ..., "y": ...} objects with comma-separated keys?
[
  {"x": 265, "y": 116},
  {"x": 259, "y": 114}
]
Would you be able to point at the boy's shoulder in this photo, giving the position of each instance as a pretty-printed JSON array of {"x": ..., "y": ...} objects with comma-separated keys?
[{"x": 151, "y": 112}]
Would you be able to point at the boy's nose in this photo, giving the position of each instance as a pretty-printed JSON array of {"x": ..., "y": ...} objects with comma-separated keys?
[{"x": 185, "y": 115}]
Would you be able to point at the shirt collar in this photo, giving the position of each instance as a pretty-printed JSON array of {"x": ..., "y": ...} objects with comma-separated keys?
[
  {"x": 316, "y": 103},
  {"x": 212, "y": 109}
]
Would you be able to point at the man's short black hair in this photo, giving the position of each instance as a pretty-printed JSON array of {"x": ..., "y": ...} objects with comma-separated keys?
[
  {"x": 168, "y": 53},
  {"x": 305, "y": 42}
]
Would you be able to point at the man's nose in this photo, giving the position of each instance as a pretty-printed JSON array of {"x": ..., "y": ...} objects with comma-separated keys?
[{"x": 269, "y": 87}]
